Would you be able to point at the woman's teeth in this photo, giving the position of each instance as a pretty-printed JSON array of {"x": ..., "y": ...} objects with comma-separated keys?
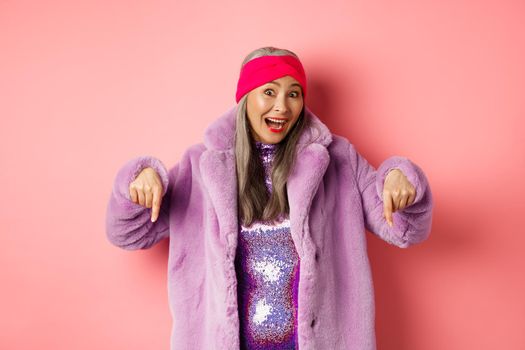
[{"x": 275, "y": 123}]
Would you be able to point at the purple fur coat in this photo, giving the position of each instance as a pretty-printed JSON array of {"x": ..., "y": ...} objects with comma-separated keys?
[{"x": 334, "y": 195}]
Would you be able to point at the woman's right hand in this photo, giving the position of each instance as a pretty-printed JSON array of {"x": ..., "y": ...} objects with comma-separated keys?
[{"x": 146, "y": 190}]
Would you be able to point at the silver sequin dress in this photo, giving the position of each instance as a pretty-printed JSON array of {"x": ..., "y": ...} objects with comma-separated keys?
[{"x": 267, "y": 267}]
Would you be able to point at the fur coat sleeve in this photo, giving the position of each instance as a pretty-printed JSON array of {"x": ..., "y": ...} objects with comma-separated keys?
[
  {"x": 412, "y": 224},
  {"x": 128, "y": 224}
]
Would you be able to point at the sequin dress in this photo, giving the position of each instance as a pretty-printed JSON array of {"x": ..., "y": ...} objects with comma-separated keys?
[{"x": 267, "y": 267}]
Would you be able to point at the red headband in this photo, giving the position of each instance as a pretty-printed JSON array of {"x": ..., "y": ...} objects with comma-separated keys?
[{"x": 261, "y": 70}]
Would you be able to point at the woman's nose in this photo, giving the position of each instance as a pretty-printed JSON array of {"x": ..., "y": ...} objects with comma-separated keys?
[{"x": 281, "y": 104}]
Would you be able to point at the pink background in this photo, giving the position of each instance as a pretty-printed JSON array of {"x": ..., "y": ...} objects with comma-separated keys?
[{"x": 87, "y": 85}]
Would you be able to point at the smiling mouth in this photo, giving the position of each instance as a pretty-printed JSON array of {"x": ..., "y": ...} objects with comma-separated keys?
[{"x": 275, "y": 124}]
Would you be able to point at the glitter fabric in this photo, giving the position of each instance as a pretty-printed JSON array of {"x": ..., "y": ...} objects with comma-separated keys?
[{"x": 267, "y": 268}]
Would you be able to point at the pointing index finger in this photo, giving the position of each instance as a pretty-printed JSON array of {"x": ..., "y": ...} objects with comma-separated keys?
[
  {"x": 387, "y": 207},
  {"x": 157, "y": 199}
]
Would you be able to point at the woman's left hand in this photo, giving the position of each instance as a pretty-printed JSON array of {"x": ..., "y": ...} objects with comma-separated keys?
[{"x": 398, "y": 193}]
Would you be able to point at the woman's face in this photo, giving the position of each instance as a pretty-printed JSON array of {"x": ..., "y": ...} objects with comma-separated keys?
[{"x": 280, "y": 100}]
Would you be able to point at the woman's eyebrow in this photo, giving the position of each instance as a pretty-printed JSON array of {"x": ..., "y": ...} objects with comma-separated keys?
[{"x": 276, "y": 83}]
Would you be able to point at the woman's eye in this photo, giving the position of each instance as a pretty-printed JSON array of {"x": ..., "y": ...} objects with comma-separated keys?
[
  {"x": 268, "y": 92},
  {"x": 294, "y": 94}
]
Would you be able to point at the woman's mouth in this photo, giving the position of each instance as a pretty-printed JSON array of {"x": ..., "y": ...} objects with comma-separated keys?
[{"x": 275, "y": 125}]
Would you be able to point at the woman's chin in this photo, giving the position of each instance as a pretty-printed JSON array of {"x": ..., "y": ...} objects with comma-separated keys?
[{"x": 272, "y": 138}]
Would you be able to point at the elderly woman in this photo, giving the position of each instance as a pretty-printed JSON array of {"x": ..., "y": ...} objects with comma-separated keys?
[{"x": 266, "y": 220}]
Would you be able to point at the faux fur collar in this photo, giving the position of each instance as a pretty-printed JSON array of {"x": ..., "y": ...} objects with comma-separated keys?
[
  {"x": 220, "y": 134},
  {"x": 217, "y": 166}
]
